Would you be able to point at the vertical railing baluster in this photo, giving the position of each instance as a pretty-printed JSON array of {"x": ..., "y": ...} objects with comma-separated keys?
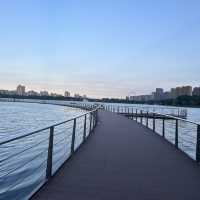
[
  {"x": 176, "y": 134},
  {"x": 90, "y": 123},
  {"x": 141, "y": 118},
  {"x": 50, "y": 154},
  {"x": 96, "y": 120},
  {"x": 163, "y": 130},
  {"x": 93, "y": 120},
  {"x": 136, "y": 112},
  {"x": 97, "y": 117},
  {"x": 132, "y": 113},
  {"x": 198, "y": 144},
  {"x": 147, "y": 122},
  {"x": 154, "y": 122},
  {"x": 85, "y": 126},
  {"x": 73, "y": 137}
]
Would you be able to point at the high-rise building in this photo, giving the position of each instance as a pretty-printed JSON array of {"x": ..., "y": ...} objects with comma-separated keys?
[
  {"x": 77, "y": 95},
  {"x": 44, "y": 93},
  {"x": 32, "y": 93},
  {"x": 181, "y": 91},
  {"x": 196, "y": 91},
  {"x": 167, "y": 95},
  {"x": 21, "y": 90},
  {"x": 186, "y": 91},
  {"x": 173, "y": 93},
  {"x": 143, "y": 98},
  {"x": 159, "y": 94},
  {"x": 67, "y": 94}
]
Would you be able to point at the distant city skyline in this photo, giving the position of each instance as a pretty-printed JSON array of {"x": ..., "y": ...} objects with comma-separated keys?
[
  {"x": 100, "y": 48},
  {"x": 58, "y": 90},
  {"x": 158, "y": 94}
]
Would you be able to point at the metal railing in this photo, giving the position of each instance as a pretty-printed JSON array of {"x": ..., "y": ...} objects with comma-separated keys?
[
  {"x": 39, "y": 149},
  {"x": 177, "y": 112},
  {"x": 74, "y": 104},
  {"x": 183, "y": 134}
]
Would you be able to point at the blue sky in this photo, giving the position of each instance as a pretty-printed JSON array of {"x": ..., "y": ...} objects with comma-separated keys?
[{"x": 99, "y": 48}]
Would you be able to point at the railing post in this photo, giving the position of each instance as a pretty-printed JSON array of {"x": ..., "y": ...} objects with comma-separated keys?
[
  {"x": 141, "y": 118},
  {"x": 73, "y": 137},
  {"x": 136, "y": 115},
  {"x": 50, "y": 154},
  {"x": 198, "y": 144},
  {"x": 97, "y": 119},
  {"x": 176, "y": 134},
  {"x": 90, "y": 123},
  {"x": 85, "y": 123},
  {"x": 147, "y": 122},
  {"x": 93, "y": 113},
  {"x": 132, "y": 113},
  {"x": 154, "y": 122},
  {"x": 163, "y": 130}
]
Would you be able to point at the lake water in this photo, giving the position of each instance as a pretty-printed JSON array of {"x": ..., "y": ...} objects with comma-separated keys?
[{"x": 23, "y": 162}]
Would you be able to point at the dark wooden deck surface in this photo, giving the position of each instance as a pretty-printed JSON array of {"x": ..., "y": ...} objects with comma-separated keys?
[{"x": 123, "y": 160}]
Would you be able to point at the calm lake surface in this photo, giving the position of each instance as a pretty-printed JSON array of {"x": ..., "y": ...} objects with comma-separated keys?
[{"x": 23, "y": 162}]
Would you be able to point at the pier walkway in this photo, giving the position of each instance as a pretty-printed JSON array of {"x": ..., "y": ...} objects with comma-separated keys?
[{"x": 123, "y": 160}]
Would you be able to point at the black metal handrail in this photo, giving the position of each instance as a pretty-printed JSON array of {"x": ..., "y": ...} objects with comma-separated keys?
[
  {"x": 90, "y": 119},
  {"x": 43, "y": 129},
  {"x": 128, "y": 108},
  {"x": 145, "y": 114}
]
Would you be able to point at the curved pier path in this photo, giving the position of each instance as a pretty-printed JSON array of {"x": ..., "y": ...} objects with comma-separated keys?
[{"x": 123, "y": 160}]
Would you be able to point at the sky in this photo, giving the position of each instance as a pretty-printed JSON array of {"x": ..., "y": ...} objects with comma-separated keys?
[{"x": 102, "y": 48}]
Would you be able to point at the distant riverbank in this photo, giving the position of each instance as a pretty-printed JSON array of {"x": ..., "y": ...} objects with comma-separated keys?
[{"x": 182, "y": 101}]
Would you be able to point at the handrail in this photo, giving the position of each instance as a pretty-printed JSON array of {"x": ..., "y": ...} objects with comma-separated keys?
[
  {"x": 46, "y": 128},
  {"x": 178, "y": 118},
  {"x": 89, "y": 119},
  {"x": 142, "y": 113},
  {"x": 179, "y": 112}
]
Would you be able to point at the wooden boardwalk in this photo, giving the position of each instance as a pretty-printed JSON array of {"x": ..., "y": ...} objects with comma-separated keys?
[{"x": 123, "y": 160}]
